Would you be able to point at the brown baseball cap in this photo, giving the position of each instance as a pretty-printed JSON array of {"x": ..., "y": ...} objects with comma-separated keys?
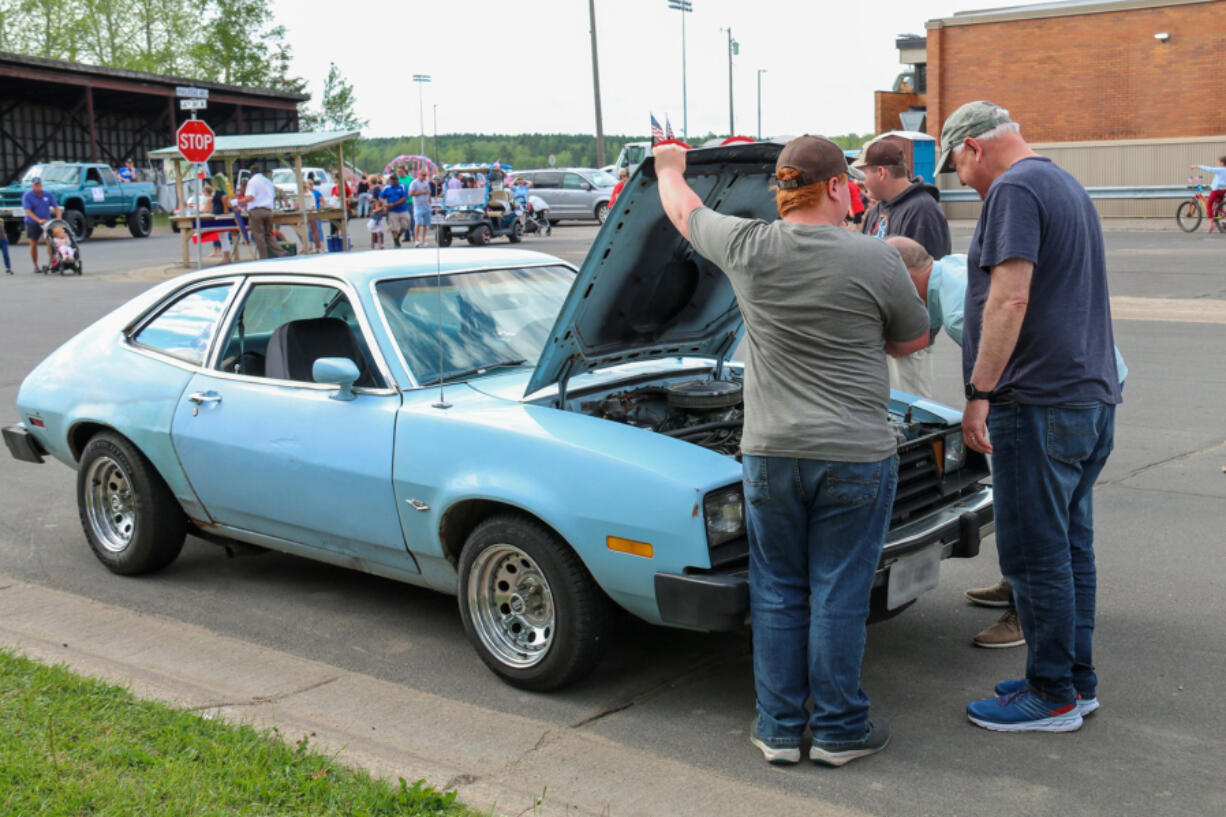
[
  {"x": 814, "y": 157},
  {"x": 883, "y": 152}
]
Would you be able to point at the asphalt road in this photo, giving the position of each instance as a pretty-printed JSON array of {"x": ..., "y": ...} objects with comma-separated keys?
[{"x": 1155, "y": 747}]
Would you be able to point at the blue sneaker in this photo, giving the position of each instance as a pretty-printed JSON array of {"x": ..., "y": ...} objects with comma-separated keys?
[
  {"x": 1084, "y": 705},
  {"x": 1023, "y": 711}
]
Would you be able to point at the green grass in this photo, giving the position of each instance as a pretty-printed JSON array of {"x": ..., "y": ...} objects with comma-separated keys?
[{"x": 76, "y": 746}]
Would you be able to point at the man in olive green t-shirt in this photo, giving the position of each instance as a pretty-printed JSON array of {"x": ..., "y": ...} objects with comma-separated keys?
[{"x": 822, "y": 308}]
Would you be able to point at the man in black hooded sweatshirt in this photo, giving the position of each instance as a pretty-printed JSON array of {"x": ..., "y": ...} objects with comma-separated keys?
[{"x": 903, "y": 207}]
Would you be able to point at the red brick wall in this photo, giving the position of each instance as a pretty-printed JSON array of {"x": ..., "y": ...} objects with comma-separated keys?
[
  {"x": 1091, "y": 76},
  {"x": 887, "y": 105}
]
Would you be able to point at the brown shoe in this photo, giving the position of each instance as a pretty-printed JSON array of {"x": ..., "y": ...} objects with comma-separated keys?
[
  {"x": 1005, "y": 633},
  {"x": 997, "y": 595}
]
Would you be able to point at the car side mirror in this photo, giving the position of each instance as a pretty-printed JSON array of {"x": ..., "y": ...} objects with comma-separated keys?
[
  {"x": 340, "y": 371},
  {"x": 587, "y": 186}
]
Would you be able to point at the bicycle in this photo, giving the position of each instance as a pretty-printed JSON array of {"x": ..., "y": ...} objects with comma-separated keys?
[{"x": 1192, "y": 211}]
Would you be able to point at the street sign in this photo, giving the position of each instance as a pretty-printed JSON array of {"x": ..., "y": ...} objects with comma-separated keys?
[
  {"x": 193, "y": 104},
  {"x": 195, "y": 140},
  {"x": 191, "y": 93}
]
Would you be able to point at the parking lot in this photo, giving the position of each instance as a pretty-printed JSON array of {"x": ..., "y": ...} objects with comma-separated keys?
[{"x": 686, "y": 699}]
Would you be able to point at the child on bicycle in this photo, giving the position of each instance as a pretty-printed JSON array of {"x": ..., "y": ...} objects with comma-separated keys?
[{"x": 1217, "y": 190}]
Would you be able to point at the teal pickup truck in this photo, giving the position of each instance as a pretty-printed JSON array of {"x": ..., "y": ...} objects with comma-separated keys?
[{"x": 91, "y": 194}]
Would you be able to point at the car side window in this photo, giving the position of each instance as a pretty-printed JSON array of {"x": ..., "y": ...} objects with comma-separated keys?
[
  {"x": 279, "y": 326},
  {"x": 108, "y": 176},
  {"x": 548, "y": 180},
  {"x": 92, "y": 175},
  {"x": 572, "y": 181},
  {"x": 184, "y": 328}
]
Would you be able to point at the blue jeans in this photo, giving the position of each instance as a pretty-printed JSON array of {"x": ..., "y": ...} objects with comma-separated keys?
[
  {"x": 4, "y": 248},
  {"x": 815, "y": 534},
  {"x": 363, "y": 205},
  {"x": 1045, "y": 462}
]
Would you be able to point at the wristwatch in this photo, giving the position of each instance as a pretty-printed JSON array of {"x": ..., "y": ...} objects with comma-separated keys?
[{"x": 973, "y": 393}]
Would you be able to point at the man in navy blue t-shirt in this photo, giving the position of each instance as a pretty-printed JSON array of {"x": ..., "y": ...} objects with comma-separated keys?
[
  {"x": 38, "y": 205},
  {"x": 1041, "y": 389}
]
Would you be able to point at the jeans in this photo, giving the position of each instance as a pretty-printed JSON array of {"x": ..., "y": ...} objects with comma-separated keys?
[
  {"x": 4, "y": 248},
  {"x": 363, "y": 205},
  {"x": 1045, "y": 462},
  {"x": 815, "y": 534}
]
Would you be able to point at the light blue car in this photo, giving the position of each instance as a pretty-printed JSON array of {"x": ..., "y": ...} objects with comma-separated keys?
[{"x": 546, "y": 445}]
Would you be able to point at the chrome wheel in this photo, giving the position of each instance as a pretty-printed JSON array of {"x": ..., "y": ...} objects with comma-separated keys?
[
  {"x": 511, "y": 605},
  {"x": 109, "y": 504}
]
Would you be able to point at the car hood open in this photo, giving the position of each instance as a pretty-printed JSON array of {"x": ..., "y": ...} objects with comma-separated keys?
[{"x": 643, "y": 292}]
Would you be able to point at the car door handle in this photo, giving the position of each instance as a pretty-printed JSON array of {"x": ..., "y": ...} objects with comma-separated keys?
[{"x": 202, "y": 397}]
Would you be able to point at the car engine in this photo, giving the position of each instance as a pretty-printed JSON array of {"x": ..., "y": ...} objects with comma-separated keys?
[{"x": 704, "y": 412}]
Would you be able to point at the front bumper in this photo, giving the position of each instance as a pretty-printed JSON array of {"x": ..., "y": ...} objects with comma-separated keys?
[
  {"x": 719, "y": 600},
  {"x": 22, "y": 444}
]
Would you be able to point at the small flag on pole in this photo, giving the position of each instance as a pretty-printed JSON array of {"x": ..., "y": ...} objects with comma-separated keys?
[
  {"x": 657, "y": 133},
  {"x": 668, "y": 128}
]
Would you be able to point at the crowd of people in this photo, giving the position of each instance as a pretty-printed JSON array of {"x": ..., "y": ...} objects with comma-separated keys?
[{"x": 828, "y": 293}]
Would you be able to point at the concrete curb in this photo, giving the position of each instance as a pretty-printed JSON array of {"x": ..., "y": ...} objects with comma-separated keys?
[{"x": 494, "y": 759}]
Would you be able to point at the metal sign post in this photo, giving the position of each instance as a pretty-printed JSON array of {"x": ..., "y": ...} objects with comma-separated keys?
[{"x": 196, "y": 99}]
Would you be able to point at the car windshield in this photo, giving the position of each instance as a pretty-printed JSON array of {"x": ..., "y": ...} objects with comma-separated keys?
[
  {"x": 61, "y": 174},
  {"x": 489, "y": 318},
  {"x": 602, "y": 179},
  {"x": 283, "y": 175},
  {"x": 34, "y": 170}
]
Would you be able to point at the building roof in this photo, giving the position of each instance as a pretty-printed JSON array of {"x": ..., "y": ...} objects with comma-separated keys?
[
  {"x": 268, "y": 144},
  {"x": 1058, "y": 8},
  {"x": 81, "y": 70}
]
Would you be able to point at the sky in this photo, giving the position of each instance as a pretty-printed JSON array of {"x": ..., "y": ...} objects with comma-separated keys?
[{"x": 525, "y": 66}]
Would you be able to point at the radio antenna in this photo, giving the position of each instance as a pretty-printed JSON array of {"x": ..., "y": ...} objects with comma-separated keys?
[{"x": 441, "y": 403}]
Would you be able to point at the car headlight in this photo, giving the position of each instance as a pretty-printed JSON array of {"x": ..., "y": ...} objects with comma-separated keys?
[
  {"x": 955, "y": 452},
  {"x": 724, "y": 511}
]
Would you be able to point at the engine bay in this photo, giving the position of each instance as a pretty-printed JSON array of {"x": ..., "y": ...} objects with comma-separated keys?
[{"x": 707, "y": 412}]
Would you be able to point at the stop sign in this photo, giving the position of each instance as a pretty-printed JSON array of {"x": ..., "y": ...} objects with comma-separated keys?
[{"x": 195, "y": 140}]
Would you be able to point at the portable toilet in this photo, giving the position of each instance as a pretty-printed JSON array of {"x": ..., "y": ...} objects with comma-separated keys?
[{"x": 920, "y": 151}]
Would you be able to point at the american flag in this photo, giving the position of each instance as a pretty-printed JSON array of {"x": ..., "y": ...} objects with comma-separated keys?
[
  {"x": 668, "y": 128},
  {"x": 657, "y": 132}
]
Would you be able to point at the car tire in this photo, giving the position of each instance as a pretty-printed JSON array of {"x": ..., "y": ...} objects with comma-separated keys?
[
  {"x": 517, "y": 233},
  {"x": 77, "y": 221},
  {"x": 479, "y": 236},
  {"x": 602, "y": 211},
  {"x": 140, "y": 223},
  {"x": 444, "y": 237},
  {"x": 131, "y": 519},
  {"x": 529, "y": 606}
]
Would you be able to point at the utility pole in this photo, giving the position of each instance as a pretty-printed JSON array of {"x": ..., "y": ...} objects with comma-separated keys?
[
  {"x": 591, "y": 9},
  {"x": 685, "y": 7},
  {"x": 421, "y": 79},
  {"x": 761, "y": 71},
  {"x": 733, "y": 48}
]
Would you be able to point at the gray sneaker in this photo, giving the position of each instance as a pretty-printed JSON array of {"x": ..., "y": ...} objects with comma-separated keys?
[
  {"x": 778, "y": 755},
  {"x": 878, "y": 737}
]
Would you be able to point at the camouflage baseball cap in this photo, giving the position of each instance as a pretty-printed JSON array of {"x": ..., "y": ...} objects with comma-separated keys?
[{"x": 969, "y": 121}]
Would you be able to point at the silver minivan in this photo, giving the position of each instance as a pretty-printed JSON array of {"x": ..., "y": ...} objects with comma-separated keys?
[{"x": 572, "y": 192}]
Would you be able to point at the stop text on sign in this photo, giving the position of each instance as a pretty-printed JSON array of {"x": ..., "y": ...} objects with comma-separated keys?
[{"x": 195, "y": 141}]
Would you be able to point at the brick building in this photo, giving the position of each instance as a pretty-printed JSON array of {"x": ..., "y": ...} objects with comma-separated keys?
[{"x": 1119, "y": 92}]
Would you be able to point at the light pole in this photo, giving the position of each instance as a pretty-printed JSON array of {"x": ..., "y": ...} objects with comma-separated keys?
[
  {"x": 761, "y": 71},
  {"x": 733, "y": 48},
  {"x": 591, "y": 10},
  {"x": 421, "y": 79},
  {"x": 685, "y": 7},
  {"x": 437, "y": 158}
]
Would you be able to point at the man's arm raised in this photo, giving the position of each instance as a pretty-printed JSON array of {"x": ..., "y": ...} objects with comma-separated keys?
[{"x": 676, "y": 196}]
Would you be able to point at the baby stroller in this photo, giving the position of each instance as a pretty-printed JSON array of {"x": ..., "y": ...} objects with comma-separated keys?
[
  {"x": 65, "y": 254},
  {"x": 534, "y": 214}
]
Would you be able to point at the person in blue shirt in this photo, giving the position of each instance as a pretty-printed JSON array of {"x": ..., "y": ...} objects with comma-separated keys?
[
  {"x": 39, "y": 205},
  {"x": 942, "y": 286},
  {"x": 397, "y": 197},
  {"x": 1217, "y": 188},
  {"x": 128, "y": 172}
]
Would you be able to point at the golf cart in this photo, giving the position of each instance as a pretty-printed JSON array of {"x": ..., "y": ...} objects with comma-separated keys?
[{"x": 478, "y": 213}]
